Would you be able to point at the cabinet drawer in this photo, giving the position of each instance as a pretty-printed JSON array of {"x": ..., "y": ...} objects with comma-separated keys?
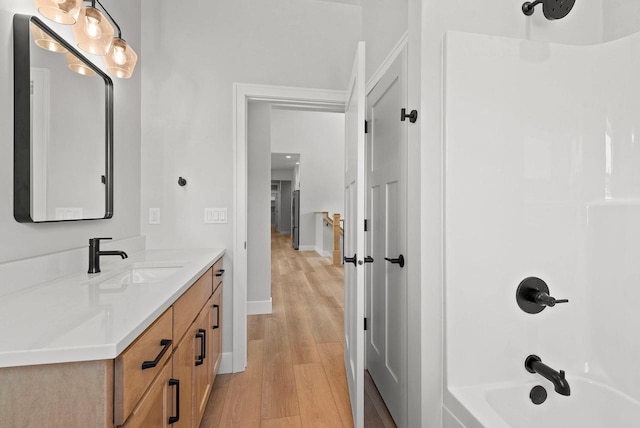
[
  {"x": 156, "y": 407},
  {"x": 218, "y": 273},
  {"x": 140, "y": 363},
  {"x": 187, "y": 307}
]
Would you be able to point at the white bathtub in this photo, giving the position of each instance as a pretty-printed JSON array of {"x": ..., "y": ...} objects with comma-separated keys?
[{"x": 590, "y": 405}]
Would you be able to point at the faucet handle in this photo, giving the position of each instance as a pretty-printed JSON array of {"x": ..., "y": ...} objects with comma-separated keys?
[
  {"x": 533, "y": 296},
  {"x": 543, "y": 298}
]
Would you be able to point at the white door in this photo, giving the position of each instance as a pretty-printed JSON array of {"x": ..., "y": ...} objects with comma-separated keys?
[
  {"x": 354, "y": 207},
  {"x": 386, "y": 285}
]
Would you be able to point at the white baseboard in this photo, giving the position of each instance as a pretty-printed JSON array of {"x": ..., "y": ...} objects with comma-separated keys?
[
  {"x": 259, "y": 307},
  {"x": 226, "y": 363},
  {"x": 308, "y": 248}
]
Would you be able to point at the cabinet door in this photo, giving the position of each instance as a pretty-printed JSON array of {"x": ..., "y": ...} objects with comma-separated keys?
[
  {"x": 202, "y": 367},
  {"x": 156, "y": 405},
  {"x": 183, "y": 368},
  {"x": 216, "y": 326}
]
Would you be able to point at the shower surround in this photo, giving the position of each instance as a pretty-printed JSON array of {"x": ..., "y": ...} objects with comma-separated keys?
[{"x": 542, "y": 178}]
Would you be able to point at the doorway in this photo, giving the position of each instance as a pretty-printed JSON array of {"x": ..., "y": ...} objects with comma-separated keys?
[{"x": 316, "y": 99}]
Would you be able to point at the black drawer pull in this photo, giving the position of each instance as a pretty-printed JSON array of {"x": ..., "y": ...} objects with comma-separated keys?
[
  {"x": 151, "y": 364},
  {"x": 202, "y": 335},
  {"x": 220, "y": 272},
  {"x": 176, "y": 418},
  {"x": 398, "y": 261},
  {"x": 217, "y": 308}
]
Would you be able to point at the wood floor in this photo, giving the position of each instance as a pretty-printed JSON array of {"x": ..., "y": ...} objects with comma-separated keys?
[{"x": 295, "y": 373}]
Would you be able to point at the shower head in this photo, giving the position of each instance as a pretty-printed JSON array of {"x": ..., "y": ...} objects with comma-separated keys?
[{"x": 552, "y": 9}]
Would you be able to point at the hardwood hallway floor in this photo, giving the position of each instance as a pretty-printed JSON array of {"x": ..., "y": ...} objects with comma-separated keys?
[{"x": 295, "y": 373}]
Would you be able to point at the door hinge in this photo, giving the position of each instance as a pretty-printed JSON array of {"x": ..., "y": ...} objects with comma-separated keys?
[
  {"x": 365, "y": 324},
  {"x": 366, "y": 126},
  {"x": 413, "y": 115},
  {"x": 366, "y": 225}
]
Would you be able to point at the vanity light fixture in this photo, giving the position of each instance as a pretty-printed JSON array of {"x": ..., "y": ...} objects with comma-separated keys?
[
  {"x": 94, "y": 34},
  {"x": 93, "y": 31},
  {"x": 45, "y": 41},
  {"x": 121, "y": 59},
  {"x": 75, "y": 64},
  {"x": 60, "y": 11}
]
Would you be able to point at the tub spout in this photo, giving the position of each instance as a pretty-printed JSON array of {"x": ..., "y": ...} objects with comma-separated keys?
[{"x": 534, "y": 364}]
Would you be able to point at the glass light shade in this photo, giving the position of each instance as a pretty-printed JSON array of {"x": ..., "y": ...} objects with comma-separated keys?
[
  {"x": 45, "y": 41},
  {"x": 60, "y": 11},
  {"x": 93, "y": 31},
  {"x": 121, "y": 59},
  {"x": 78, "y": 66}
]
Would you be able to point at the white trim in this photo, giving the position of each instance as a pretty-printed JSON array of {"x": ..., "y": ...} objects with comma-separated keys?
[
  {"x": 382, "y": 69},
  {"x": 242, "y": 94},
  {"x": 259, "y": 307},
  {"x": 309, "y": 248},
  {"x": 226, "y": 363}
]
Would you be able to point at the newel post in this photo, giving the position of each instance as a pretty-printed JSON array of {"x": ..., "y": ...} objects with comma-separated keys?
[{"x": 337, "y": 253}]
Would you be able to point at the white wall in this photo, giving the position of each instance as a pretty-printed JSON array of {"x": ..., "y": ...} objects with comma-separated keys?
[
  {"x": 620, "y": 18},
  {"x": 319, "y": 138},
  {"x": 259, "y": 202},
  {"x": 582, "y": 26},
  {"x": 28, "y": 240},
  {"x": 384, "y": 22},
  {"x": 192, "y": 57},
  {"x": 282, "y": 174}
]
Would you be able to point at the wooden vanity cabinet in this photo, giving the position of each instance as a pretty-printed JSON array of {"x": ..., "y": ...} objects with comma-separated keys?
[
  {"x": 138, "y": 365},
  {"x": 216, "y": 327},
  {"x": 202, "y": 378},
  {"x": 193, "y": 363},
  {"x": 141, "y": 387},
  {"x": 156, "y": 407}
]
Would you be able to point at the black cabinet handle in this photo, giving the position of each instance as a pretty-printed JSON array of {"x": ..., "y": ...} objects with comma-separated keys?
[
  {"x": 202, "y": 335},
  {"x": 398, "y": 261},
  {"x": 176, "y": 418},
  {"x": 353, "y": 259},
  {"x": 151, "y": 364},
  {"x": 217, "y": 308},
  {"x": 368, "y": 259},
  {"x": 220, "y": 272}
]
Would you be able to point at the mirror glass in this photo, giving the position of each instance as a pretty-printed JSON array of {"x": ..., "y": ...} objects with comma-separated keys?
[{"x": 63, "y": 166}]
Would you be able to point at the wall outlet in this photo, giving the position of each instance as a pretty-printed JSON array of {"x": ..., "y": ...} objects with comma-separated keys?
[
  {"x": 215, "y": 215},
  {"x": 154, "y": 215}
]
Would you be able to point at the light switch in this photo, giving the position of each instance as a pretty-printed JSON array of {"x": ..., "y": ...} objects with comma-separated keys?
[
  {"x": 154, "y": 215},
  {"x": 208, "y": 215},
  {"x": 215, "y": 215}
]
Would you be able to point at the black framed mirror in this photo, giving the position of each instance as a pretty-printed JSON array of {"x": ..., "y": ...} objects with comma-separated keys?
[{"x": 63, "y": 129}]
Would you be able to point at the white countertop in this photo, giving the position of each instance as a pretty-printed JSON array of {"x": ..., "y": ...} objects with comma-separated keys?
[{"x": 81, "y": 317}]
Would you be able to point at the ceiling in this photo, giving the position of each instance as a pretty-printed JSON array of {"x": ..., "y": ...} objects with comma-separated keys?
[{"x": 280, "y": 160}]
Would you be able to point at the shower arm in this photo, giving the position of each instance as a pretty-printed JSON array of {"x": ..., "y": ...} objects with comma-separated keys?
[{"x": 527, "y": 7}]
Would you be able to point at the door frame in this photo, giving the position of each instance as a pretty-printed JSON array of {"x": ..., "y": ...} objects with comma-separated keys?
[{"x": 308, "y": 98}]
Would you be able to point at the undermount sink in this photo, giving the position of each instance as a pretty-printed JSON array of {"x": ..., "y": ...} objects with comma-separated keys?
[{"x": 141, "y": 273}]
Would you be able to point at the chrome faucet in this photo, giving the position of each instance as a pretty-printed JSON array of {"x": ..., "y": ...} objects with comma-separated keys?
[
  {"x": 534, "y": 364},
  {"x": 95, "y": 253}
]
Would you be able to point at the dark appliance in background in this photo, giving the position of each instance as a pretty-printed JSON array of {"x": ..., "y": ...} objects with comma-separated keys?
[{"x": 295, "y": 219}]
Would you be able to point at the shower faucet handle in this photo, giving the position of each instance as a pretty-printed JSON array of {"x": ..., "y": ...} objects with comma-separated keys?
[
  {"x": 543, "y": 298},
  {"x": 533, "y": 296}
]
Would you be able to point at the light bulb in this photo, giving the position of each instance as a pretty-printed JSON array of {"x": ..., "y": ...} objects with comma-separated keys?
[
  {"x": 119, "y": 56},
  {"x": 93, "y": 28}
]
